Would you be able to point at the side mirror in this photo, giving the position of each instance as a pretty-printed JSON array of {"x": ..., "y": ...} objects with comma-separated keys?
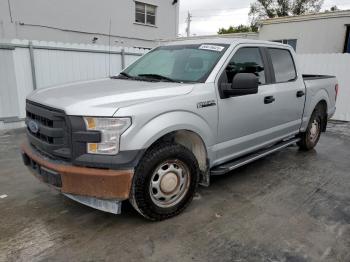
[{"x": 242, "y": 84}]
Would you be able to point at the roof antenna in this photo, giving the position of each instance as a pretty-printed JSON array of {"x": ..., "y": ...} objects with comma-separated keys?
[{"x": 109, "y": 43}]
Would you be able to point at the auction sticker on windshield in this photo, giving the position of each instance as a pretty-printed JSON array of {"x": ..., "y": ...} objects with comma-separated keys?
[{"x": 216, "y": 48}]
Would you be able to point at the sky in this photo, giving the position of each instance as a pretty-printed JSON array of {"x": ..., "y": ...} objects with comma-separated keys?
[{"x": 210, "y": 15}]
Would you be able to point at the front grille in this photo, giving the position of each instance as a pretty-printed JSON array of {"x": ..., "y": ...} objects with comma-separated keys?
[
  {"x": 43, "y": 120},
  {"x": 51, "y": 134},
  {"x": 42, "y": 137}
]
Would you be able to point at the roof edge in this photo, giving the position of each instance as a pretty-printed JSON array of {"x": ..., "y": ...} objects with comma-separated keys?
[{"x": 307, "y": 17}]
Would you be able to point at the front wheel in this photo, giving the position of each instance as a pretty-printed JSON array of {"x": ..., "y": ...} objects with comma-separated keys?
[
  {"x": 164, "y": 182},
  {"x": 310, "y": 138}
]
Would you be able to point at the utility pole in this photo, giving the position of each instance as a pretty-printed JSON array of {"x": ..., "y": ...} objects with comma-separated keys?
[{"x": 188, "y": 20}]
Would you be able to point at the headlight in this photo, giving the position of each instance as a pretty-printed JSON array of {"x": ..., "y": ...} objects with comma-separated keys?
[{"x": 111, "y": 129}]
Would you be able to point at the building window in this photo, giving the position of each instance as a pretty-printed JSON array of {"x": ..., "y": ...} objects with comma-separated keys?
[
  {"x": 291, "y": 42},
  {"x": 145, "y": 13},
  {"x": 347, "y": 41}
]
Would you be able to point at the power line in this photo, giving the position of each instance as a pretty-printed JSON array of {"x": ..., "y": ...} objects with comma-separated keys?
[
  {"x": 206, "y": 16},
  {"x": 10, "y": 10},
  {"x": 213, "y": 15},
  {"x": 221, "y": 9},
  {"x": 204, "y": 19}
]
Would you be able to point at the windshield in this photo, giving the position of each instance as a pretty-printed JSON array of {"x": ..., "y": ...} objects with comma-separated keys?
[{"x": 178, "y": 63}]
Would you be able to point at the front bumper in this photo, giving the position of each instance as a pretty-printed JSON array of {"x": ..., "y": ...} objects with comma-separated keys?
[{"x": 104, "y": 184}]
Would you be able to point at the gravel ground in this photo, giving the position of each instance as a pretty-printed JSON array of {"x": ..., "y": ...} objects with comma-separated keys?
[{"x": 289, "y": 206}]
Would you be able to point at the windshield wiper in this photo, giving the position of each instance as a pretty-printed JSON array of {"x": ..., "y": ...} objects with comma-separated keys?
[
  {"x": 160, "y": 77},
  {"x": 125, "y": 74},
  {"x": 144, "y": 77},
  {"x": 122, "y": 75}
]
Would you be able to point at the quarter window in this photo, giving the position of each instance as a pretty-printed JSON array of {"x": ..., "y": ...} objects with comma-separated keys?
[
  {"x": 246, "y": 60},
  {"x": 145, "y": 13},
  {"x": 283, "y": 65}
]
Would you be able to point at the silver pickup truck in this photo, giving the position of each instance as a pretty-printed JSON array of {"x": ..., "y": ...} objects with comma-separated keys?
[{"x": 180, "y": 114}]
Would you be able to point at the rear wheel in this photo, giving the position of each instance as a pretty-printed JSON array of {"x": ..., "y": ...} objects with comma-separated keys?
[
  {"x": 311, "y": 136},
  {"x": 164, "y": 182}
]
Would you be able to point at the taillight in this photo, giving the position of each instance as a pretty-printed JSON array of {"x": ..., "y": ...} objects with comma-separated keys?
[{"x": 336, "y": 91}]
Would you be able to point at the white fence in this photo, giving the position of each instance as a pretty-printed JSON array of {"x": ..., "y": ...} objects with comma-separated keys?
[
  {"x": 331, "y": 64},
  {"x": 26, "y": 66}
]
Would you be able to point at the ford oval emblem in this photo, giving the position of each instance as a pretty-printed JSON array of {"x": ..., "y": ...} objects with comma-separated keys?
[{"x": 33, "y": 126}]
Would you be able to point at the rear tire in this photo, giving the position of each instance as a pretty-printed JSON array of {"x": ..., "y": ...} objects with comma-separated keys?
[
  {"x": 311, "y": 136},
  {"x": 164, "y": 182}
]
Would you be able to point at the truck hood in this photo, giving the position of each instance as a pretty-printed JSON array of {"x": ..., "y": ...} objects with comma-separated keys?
[{"x": 105, "y": 97}]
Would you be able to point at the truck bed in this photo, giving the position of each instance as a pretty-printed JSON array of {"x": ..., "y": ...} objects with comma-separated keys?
[
  {"x": 318, "y": 88},
  {"x": 315, "y": 77}
]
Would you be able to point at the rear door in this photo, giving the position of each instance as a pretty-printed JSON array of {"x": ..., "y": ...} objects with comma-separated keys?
[{"x": 289, "y": 89}]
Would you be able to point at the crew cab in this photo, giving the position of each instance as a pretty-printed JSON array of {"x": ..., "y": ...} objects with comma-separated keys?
[{"x": 184, "y": 112}]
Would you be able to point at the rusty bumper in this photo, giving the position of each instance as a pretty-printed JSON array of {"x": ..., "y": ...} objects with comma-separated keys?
[{"x": 92, "y": 182}]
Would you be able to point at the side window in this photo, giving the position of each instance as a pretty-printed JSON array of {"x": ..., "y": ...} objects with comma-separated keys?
[
  {"x": 246, "y": 60},
  {"x": 283, "y": 65}
]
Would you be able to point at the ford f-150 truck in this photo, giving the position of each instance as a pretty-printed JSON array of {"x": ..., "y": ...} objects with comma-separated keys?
[{"x": 184, "y": 112}]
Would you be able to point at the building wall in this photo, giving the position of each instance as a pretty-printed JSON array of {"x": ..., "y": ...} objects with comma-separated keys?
[
  {"x": 331, "y": 64},
  {"x": 79, "y": 21},
  {"x": 318, "y": 34}
]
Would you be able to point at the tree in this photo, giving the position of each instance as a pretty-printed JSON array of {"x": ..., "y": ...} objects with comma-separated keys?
[
  {"x": 334, "y": 8},
  {"x": 262, "y": 9},
  {"x": 236, "y": 29}
]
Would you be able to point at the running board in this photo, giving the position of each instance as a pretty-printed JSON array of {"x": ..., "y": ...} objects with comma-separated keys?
[{"x": 229, "y": 166}]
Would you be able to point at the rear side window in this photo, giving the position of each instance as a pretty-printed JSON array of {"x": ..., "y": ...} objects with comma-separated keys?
[{"x": 283, "y": 65}]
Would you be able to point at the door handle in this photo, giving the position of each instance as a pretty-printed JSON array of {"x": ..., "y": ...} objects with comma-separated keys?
[
  {"x": 300, "y": 93},
  {"x": 269, "y": 99}
]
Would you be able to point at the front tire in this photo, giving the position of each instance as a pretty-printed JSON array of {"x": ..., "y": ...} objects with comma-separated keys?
[
  {"x": 310, "y": 138},
  {"x": 164, "y": 182}
]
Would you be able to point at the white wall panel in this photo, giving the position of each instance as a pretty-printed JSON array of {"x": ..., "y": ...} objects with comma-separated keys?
[
  {"x": 54, "y": 67},
  {"x": 24, "y": 81},
  {"x": 55, "y": 64},
  {"x": 331, "y": 64},
  {"x": 8, "y": 90}
]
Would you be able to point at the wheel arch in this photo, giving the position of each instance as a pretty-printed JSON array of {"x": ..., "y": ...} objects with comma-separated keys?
[
  {"x": 193, "y": 142},
  {"x": 183, "y": 127},
  {"x": 320, "y": 98},
  {"x": 145, "y": 133}
]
